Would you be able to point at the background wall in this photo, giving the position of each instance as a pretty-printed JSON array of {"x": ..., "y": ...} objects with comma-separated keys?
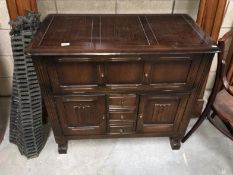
[{"x": 98, "y": 6}]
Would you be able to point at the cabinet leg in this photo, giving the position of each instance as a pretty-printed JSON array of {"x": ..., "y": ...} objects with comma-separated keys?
[
  {"x": 62, "y": 148},
  {"x": 175, "y": 143}
]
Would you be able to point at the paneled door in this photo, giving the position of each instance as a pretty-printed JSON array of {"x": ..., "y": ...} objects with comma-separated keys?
[
  {"x": 82, "y": 115},
  {"x": 160, "y": 113}
]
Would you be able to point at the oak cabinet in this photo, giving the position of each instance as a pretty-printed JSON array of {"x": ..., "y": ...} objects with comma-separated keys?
[{"x": 105, "y": 76}]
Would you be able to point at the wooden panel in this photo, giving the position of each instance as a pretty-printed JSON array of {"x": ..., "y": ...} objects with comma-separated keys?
[
  {"x": 170, "y": 71},
  {"x": 74, "y": 34},
  {"x": 122, "y": 31},
  {"x": 20, "y": 7},
  {"x": 160, "y": 113},
  {"x": 82, "y": 114},
  {"x": 119, "y": 34},
  {"x": 73, "y": 75},
  {"x": 77, "y": 74},
  {"x": 210, "y": 16},
  {"x": 175, "y": 36},
  {"x": 70, "y": 74},
  {"x": 124, "y": 73}
]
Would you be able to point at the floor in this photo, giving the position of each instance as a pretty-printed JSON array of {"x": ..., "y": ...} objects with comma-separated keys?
[{"x": 206, "y": 153}]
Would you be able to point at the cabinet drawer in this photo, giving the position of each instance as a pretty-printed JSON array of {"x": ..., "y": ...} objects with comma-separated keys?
[
  {"x": 122, "y": 116},
  {"x": 122, "y": 129},
  {"x": 122, "y": 100}
]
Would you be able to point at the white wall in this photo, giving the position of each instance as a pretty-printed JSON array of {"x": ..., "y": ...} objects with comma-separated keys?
[{"x": 98, "y": 6}]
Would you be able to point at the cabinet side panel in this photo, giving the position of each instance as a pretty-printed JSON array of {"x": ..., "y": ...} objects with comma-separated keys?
[{"x": 46, "y": 91}]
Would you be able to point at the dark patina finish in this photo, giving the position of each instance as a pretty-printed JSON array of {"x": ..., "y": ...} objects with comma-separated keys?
[{"x": 107, "y": 76}]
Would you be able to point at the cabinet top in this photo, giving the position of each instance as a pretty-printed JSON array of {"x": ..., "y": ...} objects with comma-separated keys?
[{"x": 119, "y": 34}]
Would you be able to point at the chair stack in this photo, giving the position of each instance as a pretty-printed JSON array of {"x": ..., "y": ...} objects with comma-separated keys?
[{"x": 26, "y": 129}]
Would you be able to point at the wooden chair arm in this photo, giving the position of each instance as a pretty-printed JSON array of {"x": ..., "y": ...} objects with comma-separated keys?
[{"x": 221, "y": 44}]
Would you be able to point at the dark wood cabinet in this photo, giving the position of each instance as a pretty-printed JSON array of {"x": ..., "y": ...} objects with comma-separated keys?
[{"x": 104, "y": 76}]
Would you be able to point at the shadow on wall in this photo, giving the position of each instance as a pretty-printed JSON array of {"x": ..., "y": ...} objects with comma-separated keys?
[
  {"x": 5, "y": 103},
  {"x": 6, "y": 74}
]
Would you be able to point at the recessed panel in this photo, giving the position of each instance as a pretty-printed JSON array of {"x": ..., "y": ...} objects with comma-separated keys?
[
  {"x": 160, "y": 111},
  {"x": 77, "y": 73},
  {"x": 124, "y": 73},
  {"x": 82, "y": 114},
  {"x": 170, "y": 71}
]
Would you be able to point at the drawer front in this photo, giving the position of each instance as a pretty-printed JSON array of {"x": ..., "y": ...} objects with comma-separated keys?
[
  {"x": 122, "y": 101},
  {"x": 161, "y": 113},
  {"x": 122, "y": 116},
  {"x": 82, "y": 114},
  {"x": 122, "y": 129}
]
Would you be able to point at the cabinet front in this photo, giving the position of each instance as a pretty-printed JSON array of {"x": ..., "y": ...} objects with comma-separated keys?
[
  {"x": 160, "y": 113},
  {"x": 80, "y": 115},
  {"x": 79, "y": 74}
]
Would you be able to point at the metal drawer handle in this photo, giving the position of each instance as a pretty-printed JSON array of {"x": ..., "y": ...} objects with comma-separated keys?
[
  {"x": 122, "y": 116},
  {"x": 121, "y": 130},
  {"x": 103, "y": 117},
  {"x": 125, "y": 59},
  {"x": 140, "y": 116}
]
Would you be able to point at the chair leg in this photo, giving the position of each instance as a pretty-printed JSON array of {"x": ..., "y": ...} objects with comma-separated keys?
[
  {"x": 212, "y": 115},
  {"x": 197, "y": 124},
  {"x": 229, "y": 135},
  {"x": 229, "y": 127}
]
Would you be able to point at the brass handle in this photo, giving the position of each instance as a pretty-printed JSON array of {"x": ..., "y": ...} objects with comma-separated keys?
[
  {"x": 121, "y": 130},
  {"x": 102, "y": 75},
  {"x": 140, "y": 116},
  {"x": 122, "y": 116},
  {"x": 122, "y": 102},
  {"x": 146, "y": 75},
  {"x": 103, "y": 117}
]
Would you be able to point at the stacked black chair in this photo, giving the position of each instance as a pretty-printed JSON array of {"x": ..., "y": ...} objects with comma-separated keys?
[{"x": 26, "y": 129}]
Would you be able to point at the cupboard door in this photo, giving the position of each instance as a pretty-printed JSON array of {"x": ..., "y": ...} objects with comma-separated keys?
[
  {"x": 160, "y": 114},
  {"x": 82, "y": 115}
]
